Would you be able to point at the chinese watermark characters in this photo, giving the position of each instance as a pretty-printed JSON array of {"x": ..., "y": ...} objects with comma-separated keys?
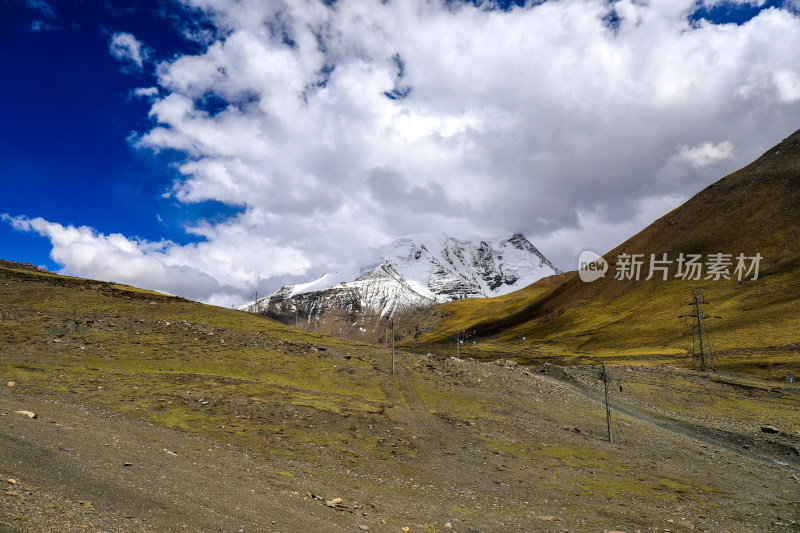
[{"x": 633, "y": 267}]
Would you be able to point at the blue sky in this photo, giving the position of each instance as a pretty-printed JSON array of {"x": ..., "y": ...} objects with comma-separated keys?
[
  {"x": 209, "y": 148},
  {"x": 69, "y": 111}
]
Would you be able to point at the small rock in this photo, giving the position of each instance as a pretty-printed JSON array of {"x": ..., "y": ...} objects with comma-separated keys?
[
  {"x": 362, "y": 527},
  {"x": 29, "y": 414},
  {"x": 336, "y": 502},
  {"x": 11, "y": 481},
  {"x": 448, "y": 526},
  {"x": 127, "y": 464},
  {"x": 11, "y": 383},
  {"x": 769, "y": 428}
]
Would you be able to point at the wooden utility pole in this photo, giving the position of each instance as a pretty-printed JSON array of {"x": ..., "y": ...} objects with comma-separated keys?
[
  {"x": 392, "y": 345},
  {"x": 458, "y": 344},
  {"x": 606, "y": 380}
]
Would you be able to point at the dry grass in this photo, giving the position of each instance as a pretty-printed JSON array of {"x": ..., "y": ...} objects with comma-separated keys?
[
  {"x": 563, "y": 319},
  {"x": 487, "y": 447}
]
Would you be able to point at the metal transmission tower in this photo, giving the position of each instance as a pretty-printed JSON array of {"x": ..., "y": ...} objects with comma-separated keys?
[{"x": 701, "y": 347}]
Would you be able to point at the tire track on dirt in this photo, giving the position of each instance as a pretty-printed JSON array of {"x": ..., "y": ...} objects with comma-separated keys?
[{"x": 763, "y": 452}]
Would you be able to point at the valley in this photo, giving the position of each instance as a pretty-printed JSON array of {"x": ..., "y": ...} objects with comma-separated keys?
[
  {"x": 156, "y": 413},
  {"x": 562, "y": 319},
  {"x": 128, "y": 410}
]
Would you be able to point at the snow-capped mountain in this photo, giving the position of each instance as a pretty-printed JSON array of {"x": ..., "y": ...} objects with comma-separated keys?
[
  {"x": 415, "y": 271},
  {"x": 443, "y": 268}
]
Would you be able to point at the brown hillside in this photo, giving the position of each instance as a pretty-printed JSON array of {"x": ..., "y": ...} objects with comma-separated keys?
[
  {"x": 753, "y": 210},
  {"x": 124, "y": 410}
]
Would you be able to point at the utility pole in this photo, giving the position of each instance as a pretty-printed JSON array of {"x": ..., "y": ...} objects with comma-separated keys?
[
  {"x": 458, "y": 343},
  {"x": 295, "y": 318},
  {"x": 392, "y": 345},
  {"x": 701, "y": 347},
  {"x": 256, "y": 301},
  {"x": 606, "y": 380}
]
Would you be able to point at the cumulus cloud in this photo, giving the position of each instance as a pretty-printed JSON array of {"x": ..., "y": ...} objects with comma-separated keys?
[
  {"x": 216, "y": 274},
  {"x": 757, "y": 3},
  {"x": 339, "y": 128},
  {"x": 598, "y": 232},
  {"x": 707, "y": 153},
  {"x": 127, "y": 49},
  {"x": 145, "y": 92},
  {"x": 788, "y": 85}
]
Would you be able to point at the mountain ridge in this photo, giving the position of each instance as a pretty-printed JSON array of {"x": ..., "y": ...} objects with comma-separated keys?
[{"x": 412, "y": 272}]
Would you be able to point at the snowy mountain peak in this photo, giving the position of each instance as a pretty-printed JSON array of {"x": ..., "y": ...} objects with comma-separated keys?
[
  {"x": 416, "y": 270},
  {"x": 444, "y": 268}
]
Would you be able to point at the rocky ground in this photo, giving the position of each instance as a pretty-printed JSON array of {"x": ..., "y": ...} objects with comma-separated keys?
[
  {"x": 542, "y": 469},
  {"x": 156, "y": 414}
]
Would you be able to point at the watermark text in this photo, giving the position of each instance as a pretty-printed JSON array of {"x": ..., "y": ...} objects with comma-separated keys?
[{"x": 633, "y": 267}]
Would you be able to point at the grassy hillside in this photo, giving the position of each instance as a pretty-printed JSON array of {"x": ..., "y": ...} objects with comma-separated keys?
[
  {"x": 753, "y": 210},
  {"x": 89, "y": 331},
  {"x": 268, "y": 424}
]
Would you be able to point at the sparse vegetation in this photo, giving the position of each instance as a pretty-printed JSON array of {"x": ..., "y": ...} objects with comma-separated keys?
[
  {"x": 566, "y": 321},
  {"x": 484, "y": 446}
]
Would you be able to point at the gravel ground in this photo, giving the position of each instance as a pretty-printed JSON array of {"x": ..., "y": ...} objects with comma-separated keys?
[{"x": 75, "y": 468}]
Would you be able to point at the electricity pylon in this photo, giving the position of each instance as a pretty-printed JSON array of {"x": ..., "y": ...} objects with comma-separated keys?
[{"x": 701, "y": 347}]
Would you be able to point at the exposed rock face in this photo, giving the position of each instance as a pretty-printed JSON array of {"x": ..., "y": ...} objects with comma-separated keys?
[
  {"x": 443, "y": 268},
  {"x": 412, "y": 272}
]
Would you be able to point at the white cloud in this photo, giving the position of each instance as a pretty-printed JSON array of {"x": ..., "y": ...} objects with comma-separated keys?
[
  {"x": 600, "y": 233},
  {"x": 707, "y": 153},
  {"x": 127, "y": 49},
  {"x": 145, "y": 92},
  {"x": 339, "y": 128},
  {"x": 216, "y": 273},
  {"x": 757, "y": 3},
  {"x": 788, "y": 85}
]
